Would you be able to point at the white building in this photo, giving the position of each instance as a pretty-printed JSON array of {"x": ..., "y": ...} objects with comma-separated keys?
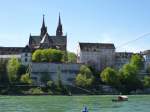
[
  {"x": 26, "y": 56},
  {"x": 146, "y": 55},
  {"x": 98, "y": 55}
]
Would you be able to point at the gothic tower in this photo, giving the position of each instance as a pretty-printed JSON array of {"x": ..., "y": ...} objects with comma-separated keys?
[
  {"x": 59, "y": 31},
  {"x": 43, "y": 28}
]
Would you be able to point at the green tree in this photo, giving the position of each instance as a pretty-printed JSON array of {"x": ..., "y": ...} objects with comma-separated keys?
[
  {"x": 47, "y": 55},
  {"x": 37, "y": 56},
  {"x": 147, "y": 81},
  {"x": 44, "y": 55},
  {"x": 137, "y": 61},
  {"x": 25, "y": 78},
  {"x": 85, "y": 77},
  {"x": 72, "y": 58},
  {"x": 110, "y": 77},
  {"x": 129, "y": 79},
  {"x": 12, "y": 69},
  {"x": 57, "y": 55}
]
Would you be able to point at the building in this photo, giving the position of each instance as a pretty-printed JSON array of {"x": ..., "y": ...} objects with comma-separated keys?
[
  {"x": 26, "y": 56},
  {"x": 146, "y": 55},
  {"x": 67, "y": 71},
  {"x": 44, "y": 40},
  {"x": 122, "y": 58},
  {"x": 22, "y": 53},
  {"x": 98, "y": 55}
]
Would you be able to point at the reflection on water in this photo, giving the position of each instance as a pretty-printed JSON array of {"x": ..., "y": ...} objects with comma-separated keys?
[{"x": 72, "y": 104}]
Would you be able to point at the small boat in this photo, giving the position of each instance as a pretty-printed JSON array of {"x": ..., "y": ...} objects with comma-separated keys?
[
  {"x": 85, "y": 109},
  {"x": 120, "y": 98}
]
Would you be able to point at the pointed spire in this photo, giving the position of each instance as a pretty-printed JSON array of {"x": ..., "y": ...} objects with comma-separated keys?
[
  {"x": 43, "y": 24},
  {"x": 43, "y": 28},
  {"x": 59, "y": 23},
  {"x": 59, "y": 27}
]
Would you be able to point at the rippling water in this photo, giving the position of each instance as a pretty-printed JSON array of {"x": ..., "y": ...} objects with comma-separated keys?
[{"x": 73, "y": 104}]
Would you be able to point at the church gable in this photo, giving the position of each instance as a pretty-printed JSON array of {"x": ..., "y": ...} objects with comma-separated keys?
[{"x": 44, "y": 40}]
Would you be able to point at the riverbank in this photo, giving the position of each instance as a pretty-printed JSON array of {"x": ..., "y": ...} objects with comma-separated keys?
[{"x": 25, "y": 90}]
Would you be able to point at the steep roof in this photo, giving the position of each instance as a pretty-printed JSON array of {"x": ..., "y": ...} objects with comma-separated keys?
[
  {"x": 91, "y": 46},
  {"x": 59, "y": 40},
  {"x": 35, "y": 39},
  {"x": 45, "y": 38}
]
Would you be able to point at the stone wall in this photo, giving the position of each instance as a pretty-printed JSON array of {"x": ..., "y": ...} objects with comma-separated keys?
[{"x": 68, "y": 71}]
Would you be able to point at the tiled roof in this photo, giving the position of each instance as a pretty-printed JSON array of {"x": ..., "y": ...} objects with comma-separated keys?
[
  {"x": 10, "y": 50},
  {"x": 56, "y": 40},
  {"x": 35, "y": 39},
  {"x": 90, "y": 46},
  {"x": 59, "y": 40},
  {"x": 45, "y": 38},
  {"x": 26, "y": 49}
]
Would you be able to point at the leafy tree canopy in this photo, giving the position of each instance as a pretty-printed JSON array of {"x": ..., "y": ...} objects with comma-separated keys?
[
  {"x": 47, "y": 55},
  {"x": 137, "y": 61},
  {"x": 110, "y": 77},
  {"x": 129, "y": 78},
  {"x": 72, "y": 58},
  {"x": 12, "y": 69},
  {"x": 85, "y": 77}
]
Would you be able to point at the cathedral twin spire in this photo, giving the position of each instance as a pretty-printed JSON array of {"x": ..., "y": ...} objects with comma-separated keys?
[
  {"x": 59, "y": 31},
  {"x": 59, "y": 28},
  {"x": 43, "y": 28}
]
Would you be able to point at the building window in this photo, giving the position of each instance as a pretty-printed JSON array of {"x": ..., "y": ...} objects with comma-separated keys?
[
  {"x": 26, "y": 54},
  {"x": 25, "y": 60}
]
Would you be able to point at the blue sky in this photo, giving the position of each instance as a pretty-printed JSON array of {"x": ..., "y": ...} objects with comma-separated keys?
[{"x": 113, "y": 21}]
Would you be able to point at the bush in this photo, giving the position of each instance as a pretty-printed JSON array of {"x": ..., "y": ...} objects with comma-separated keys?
[
  {"x": 35, "y": 91},
  {"x": 25, "y": 78}
]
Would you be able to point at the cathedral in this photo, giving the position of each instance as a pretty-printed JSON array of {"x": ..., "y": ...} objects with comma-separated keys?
[
  {"x": 42, "y": 41},
  {"x": 45, "y": 40}
]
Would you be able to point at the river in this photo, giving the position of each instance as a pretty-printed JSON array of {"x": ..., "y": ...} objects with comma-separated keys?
[{"x": 136, "y": 103}]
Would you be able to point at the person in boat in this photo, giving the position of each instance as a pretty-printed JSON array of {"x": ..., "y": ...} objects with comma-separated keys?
[{"x": 85, "y": 109}]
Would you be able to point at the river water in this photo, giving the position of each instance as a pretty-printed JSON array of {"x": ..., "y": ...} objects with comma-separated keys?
[{"x": 136, "y": 103}]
